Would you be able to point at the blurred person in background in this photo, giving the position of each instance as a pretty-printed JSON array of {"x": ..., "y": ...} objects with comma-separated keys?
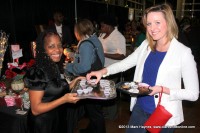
[
  {"x": 62, "y": 29},
  {"x": 88, "y": 57},
  {"x": 141, "y": 35},
  {"x": 114, "y": 46},
  {"x": 114, "y": 43}
]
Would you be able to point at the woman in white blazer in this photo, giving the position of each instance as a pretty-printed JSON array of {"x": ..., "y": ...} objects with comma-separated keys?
[{"x": 162, "y": 62}]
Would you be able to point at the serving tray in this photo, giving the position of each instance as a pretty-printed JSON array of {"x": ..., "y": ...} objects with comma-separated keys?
[
  {"x": 104, "y": 90},
  {"x": 131, "y": 88}
]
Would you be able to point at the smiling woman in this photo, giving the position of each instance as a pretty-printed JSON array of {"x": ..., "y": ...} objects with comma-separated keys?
[
  {"x": 53, "y": 47},
  {"x": 161, "y": 61},
  {"x": 48, "y": 91}
]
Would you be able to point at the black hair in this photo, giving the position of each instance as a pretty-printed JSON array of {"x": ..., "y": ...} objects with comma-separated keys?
[
  {"x": 43, "y": 61},
  {"x": 109, "y": 20},
  {"x": 55, "y": 11}
]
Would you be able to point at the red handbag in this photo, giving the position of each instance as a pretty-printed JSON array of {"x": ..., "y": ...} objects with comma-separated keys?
[{"x": 158, "y": 118}]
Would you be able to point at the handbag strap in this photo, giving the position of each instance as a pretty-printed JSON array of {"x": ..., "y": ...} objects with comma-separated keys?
[{"x": 160, "y": 95}]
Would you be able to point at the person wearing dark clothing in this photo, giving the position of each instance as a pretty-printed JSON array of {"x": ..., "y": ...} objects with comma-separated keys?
[
  {"x": 89, "y": 53},
  {"x": 62, "y": 29},
  {"x": 88, "y": 57},
  {"x": 48, "y": 91}
]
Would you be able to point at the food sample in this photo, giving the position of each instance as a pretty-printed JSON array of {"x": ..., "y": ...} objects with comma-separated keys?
[
  {"x": 126, "y": 86},
  {"x": 144, "y": 90}
]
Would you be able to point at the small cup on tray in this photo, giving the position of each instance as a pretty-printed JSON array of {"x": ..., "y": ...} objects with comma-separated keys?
[{"x": 80, "y": 91}]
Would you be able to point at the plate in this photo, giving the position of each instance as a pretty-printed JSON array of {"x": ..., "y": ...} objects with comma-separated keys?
[
  {"x": 133, "y": 88},
  {"x": 104, "y": 90}
]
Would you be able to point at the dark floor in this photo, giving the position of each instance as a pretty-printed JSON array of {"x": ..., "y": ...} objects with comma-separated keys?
[{"x": 191, "y": 114}]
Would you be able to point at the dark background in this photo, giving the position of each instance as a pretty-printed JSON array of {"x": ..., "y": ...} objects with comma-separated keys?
[{"x": 18, "y": 18}]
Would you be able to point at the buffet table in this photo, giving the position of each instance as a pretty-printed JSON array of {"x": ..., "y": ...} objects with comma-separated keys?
[
  {"x": 10, "y": 122},
  {"x": 12, "y": 118}
]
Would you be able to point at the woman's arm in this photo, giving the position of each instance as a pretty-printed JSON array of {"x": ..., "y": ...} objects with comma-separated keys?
[
  {"x": 73, "y": 82},
  {"x": 157, "y": 89},
  {"x": 39, "y": 107},
  {"x": 117, "y": 44},
  {"x": 97, "y": 74},
  {"x": 190, "y": 78},
  {"x": 115, "y": 56},
  {"x": 120, "y": 66}
]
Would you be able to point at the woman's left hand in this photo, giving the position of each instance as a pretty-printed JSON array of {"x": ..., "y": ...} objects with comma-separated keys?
[
  {"x": 155, "y": 89},
  {"x": 70, "y": 98},
  {"x": 74, "y": 81}
]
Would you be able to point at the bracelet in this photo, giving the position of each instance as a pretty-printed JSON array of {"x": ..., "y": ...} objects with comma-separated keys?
[
  {"x": 105, "y": 75},
  {"x": 161, "y": 89}
]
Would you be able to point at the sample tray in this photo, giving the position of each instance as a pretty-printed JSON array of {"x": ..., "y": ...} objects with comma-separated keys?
[
  {"x": 104, "y": 90},
  {"x": 131, "y": 88}
]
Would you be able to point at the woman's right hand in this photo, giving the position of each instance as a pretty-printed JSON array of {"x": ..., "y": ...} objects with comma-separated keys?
[
  {"x": 74, "y": 81},
  {"x": 70, "y": 98},
  {"x": 97, "y": 74}
]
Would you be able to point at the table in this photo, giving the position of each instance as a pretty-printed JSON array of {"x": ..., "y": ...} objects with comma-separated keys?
[{"x": 10, "y": 122}]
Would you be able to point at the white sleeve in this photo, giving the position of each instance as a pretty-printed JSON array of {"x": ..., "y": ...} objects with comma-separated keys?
[{"x": 190, "y": 79}]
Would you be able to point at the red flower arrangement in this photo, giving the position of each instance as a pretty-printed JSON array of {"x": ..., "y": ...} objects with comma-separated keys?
[
  {"x": 13, "y": 71},
  {"x": 30, "y": 63},
  {"x": 10, "y": 74}
]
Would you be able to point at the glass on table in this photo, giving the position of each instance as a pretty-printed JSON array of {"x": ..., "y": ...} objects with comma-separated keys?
[{"x": 19, "y": 102}]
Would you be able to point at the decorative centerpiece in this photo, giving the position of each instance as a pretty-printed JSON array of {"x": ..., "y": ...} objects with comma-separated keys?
[
  {"x": 17, "y": 85},
  {"x": 3, "y": 47}
]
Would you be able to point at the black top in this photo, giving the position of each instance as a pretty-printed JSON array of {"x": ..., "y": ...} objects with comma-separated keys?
[
  {"x": 36, "y": 79},
  {"x": 51, "y": 121},
  {"x": 67, "y": 38}
]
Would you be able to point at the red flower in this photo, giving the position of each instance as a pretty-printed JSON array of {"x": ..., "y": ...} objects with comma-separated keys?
[
  {"x": 31, "y": 63},
  {"x": 3, "y": 86},
  {"x": 10, "y": 74}
]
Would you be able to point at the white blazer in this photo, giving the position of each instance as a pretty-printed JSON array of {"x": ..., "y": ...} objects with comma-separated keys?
[{"x": 178, "y": 64}]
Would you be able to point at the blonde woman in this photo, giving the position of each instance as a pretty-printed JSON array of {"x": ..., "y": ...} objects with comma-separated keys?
[{"x": 162, "y": 62}]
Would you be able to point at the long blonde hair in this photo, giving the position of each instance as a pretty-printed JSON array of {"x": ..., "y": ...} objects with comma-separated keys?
[{"x": 169, "y": 17}]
